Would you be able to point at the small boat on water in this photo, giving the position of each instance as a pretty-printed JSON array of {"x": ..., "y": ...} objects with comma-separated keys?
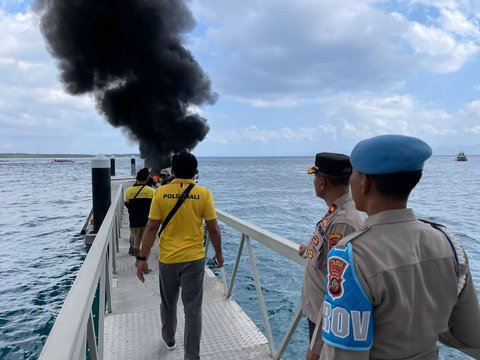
[
  {"x": 461, "y": 157},
  {"x": 63, "y": 161}
]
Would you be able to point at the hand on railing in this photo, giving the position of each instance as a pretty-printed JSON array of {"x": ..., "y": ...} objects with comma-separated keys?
[{"x": 302, "y": 250}]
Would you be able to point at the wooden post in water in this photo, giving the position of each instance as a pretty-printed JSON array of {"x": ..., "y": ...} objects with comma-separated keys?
[
  {"x": 101, "y": 190},
  {"x": 112, "y": 165},
  {"x": 133, "y": 168}
]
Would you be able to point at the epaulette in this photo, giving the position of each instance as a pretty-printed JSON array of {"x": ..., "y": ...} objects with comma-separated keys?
[
  {"x": 461, "y": 261},
  {"x": 342, "y": 244}
]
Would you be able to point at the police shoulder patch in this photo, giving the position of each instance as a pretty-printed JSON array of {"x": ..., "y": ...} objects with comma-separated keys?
[
  {"x": 336, "y": 271},
  {"x": 347, "y": 318},
  {"x": 333, "y": 239}
]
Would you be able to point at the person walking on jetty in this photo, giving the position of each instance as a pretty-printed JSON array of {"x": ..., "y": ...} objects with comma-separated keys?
[
  {"x": 398, "y": 285},
  {"x": 181, "y": 250},
  {"x": 331, "y": 182},
  {"x": 138, "y": 198}
]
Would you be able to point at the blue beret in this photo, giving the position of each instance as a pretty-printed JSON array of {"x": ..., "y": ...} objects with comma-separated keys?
[{"x": 388, "y": 154}]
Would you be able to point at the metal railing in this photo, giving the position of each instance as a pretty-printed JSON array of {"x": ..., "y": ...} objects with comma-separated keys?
[
  {"x": 281, "y": 246},
  {"x": 285, "y": 248},
  {"x": 74, "y": 329}
]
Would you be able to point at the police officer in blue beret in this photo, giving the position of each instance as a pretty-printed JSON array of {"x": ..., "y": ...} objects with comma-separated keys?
[{"x": 399, "y": 284}]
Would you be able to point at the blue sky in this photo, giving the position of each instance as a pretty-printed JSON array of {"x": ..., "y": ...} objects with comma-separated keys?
[{"x": 294, "y": 77}]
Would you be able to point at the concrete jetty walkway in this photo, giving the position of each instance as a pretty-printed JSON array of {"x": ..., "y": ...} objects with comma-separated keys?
[{"x": 133, "y": 330}]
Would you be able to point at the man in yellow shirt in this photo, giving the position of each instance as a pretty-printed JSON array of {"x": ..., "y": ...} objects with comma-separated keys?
[{"x": 181, "y": 251}]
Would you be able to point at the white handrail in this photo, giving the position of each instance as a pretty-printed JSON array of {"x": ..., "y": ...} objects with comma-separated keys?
[
  {"x": 281, "y": 246},
  {"x": 68, "y": 337},
  {"x": 286, "y": 248},
  {"x": 74, "y": 327}
]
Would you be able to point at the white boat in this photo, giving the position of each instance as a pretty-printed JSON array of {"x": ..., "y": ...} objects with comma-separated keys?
[
  {"x": 63, "y": 160},
  {"x": 461, "y": 157}
]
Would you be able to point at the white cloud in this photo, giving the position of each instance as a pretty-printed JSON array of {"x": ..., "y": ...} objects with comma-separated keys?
[
  {"x": 292, "y": 75},
  {"x": 255, "y": 135},
  {"x": 469, "y": 118},
  {"x": 437, "y": 50},
  {"x": 473, "y": 130},
  {"x": 349, "y": 117},
  {"x": 264, "y": 48},
  {"x": 276, "y": 102},
  {"x": 35, "y": 111},
  {"x": 454, "y": 21}
]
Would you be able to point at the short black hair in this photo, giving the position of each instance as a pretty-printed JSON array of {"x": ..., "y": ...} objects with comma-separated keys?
[
  {"x": 397, "y": 185},
  {"x": 184, "y": 165},
  {"x": 343, "y": 180},
  {"x": 143, "y": 174}
]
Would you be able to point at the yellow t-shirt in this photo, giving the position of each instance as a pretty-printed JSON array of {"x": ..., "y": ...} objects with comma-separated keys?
[{"x": 182, "y": 239}]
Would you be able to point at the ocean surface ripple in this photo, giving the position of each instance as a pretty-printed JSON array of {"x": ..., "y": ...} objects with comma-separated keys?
[{"x": 45, "y": 205}]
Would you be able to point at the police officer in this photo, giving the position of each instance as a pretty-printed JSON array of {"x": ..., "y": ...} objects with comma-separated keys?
[
  {"x": 332, "y": 173},
  {"x": 399, "y": 284}
]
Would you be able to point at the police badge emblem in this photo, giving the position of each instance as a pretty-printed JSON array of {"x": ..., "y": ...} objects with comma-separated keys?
[
  {"x": 333, "y": 239},
  {"x": 332, "y": 209},
  {"x": 336, "y": 270},
  {"x": 325, "y": 221}
]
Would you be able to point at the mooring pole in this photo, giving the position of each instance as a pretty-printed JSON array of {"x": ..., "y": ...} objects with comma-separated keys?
[
  {"x": 101, "y": 190},
  {"x": 112, "y": 165},
  {"x": 133, "y": 168}
]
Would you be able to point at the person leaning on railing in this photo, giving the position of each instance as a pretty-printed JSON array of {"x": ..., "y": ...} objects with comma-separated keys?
[
  {"x": 398, "y": 285},
  {"x": 181, "y": 249}
]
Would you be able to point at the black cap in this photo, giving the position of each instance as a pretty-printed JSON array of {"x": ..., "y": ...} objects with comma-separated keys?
[
  {"x": 331, "y": 164},
  {"x": 143, "y": 174}
]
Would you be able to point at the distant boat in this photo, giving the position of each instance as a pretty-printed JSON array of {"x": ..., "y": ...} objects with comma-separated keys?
[
  {"x": 461, "y": 157},
  {"x": 63, "y": 161}
]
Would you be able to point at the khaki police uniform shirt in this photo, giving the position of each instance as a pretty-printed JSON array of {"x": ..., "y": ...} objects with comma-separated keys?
[
  {"x": 341, "y": 219},
  {"x": 407, "y": 269}
]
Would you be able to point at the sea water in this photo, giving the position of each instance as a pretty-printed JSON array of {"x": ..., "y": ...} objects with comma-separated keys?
[{"x": 44, "y": 206}]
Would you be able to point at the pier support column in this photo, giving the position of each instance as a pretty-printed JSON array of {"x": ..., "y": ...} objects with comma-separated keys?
[
  {"x": 112, "y": 165},
  {"x": 133, "y": 168},
  {"x": 101, "y": 190}
]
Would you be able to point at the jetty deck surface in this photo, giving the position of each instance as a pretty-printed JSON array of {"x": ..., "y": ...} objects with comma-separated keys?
[{"x": 133, "y": 329}]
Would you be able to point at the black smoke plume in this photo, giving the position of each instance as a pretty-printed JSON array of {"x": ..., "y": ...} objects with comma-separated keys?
[{"x": 129, "y": 54}]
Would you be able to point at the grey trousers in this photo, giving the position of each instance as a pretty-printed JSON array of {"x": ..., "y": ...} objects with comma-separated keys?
[{"x": 189, "y": 277}]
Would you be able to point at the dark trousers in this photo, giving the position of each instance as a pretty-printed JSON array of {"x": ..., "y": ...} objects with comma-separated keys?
[
  {"x": 189, "y": 277},
  {"x": 311, "y": 329}
]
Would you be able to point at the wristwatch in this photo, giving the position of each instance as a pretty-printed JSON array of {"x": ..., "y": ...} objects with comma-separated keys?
[{"x": 141, "y": 258}]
